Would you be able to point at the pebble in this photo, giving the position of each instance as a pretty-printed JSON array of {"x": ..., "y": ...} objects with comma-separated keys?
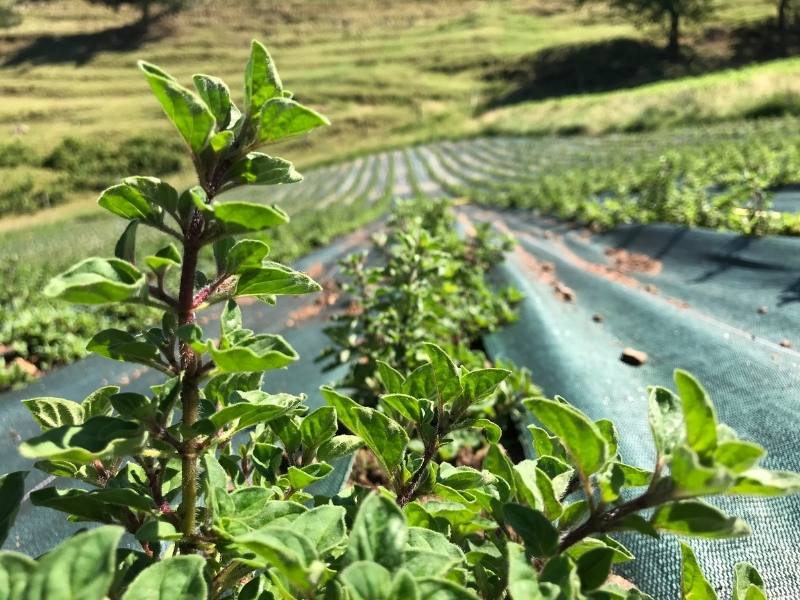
[{"x": 633, "y": 357}]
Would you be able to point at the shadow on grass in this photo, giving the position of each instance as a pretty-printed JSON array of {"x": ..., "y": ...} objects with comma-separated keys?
[
  {"x": 80, "y": 48},
  {"x": 625, "y": 62}
]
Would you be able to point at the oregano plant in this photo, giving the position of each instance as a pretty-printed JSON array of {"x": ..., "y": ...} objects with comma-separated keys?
[{"x": 204, "y": 487}]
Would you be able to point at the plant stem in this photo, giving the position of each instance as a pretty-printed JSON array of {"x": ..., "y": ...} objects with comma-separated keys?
[
  {"x": 408, "y": 492},
  {"x": 602, "y": 522},
  {"x": 189, "y": 362}
]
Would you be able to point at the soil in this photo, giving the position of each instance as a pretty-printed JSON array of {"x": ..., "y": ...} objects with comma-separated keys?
[
  {"x": 366, "y": 471},
  {"x": 632, "y": 262}
]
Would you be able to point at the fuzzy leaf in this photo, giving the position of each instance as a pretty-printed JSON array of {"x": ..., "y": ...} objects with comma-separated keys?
[
  {"x": 697, "y": 519},
  {"x": 97, "y": 281},
  {"x": 283, "y": 117},
  {"x": 80, "y": 568},
  {"x": 97, "y": 438},
  {"x": 174, "y": 578},
  {"x": 379, "y": 533},
  {"x": 693, "y": 584},
  {"x": 579, "y": 435},
  {"x": 188, "y": 113}
]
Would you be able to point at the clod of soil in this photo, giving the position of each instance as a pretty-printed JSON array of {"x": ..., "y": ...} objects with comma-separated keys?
[
  {"x": 762, "y": 310},
  {"x": 629, "y": 262},
  {"x": 785, "y": 343},
  {"x": 564, "y": 292},
  {"x": 597, "y": 318},
  {"x": 27, "y": 367},
  {"x": 633, "y": 357}
]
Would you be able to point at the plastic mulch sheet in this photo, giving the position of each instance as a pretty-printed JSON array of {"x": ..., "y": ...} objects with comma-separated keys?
[{"x": 722, "y": 306}]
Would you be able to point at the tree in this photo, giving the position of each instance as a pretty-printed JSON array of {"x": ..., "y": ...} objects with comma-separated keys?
[
  {"x": 9, "y": 17},
  {"x": 670, "y": 13},
  {"x": 145, "y": 6}
]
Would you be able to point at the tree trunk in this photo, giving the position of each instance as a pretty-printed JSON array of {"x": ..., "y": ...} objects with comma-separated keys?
[
  {"x": 674, "y": 47},
  {"x": 145, "y": 16},
  {"x": 783, "y": 8}
]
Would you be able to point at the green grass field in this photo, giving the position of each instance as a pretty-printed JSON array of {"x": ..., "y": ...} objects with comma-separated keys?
[{"x": 387, "y": 74}]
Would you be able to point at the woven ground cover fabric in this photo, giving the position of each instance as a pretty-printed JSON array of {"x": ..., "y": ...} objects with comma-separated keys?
[
  {"x": 300, "y": 319},
  {"x": 693, "y": 304}
]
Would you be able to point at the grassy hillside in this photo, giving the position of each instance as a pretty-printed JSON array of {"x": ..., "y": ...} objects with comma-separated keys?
[{"x": 386, "y": 73}]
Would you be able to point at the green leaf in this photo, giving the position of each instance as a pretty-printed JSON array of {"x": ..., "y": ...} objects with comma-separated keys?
[
  {"x": 318, "y": 427},
  {"x": 666, "y": 420},
  {"x": 738, "y": 455},
  {"x": 367, "y": 580},
  {"x": 15, "y": 571},
  {"x": 432, "y": 588},
  {"x": 535, "y": 530},
  {"x": 404, "y": 587},
  {"x": 534, "y": 487},
  {"x": 154, "y": 531},
  {"x": 51, "y": 412},
  {"x": 391, "y": 378},
  {"x": 258, "y": 353},
  {"x": 80, "y": 568},
  {"x": 490, "y": 429},
  {"x": 561, "y": 571},
  {"x": 594, "y": 567},
  {"x": 142, "y": 198},
  {"x": 748, "y": 583},
  {"x": 698, "y": 412},
  {"x": 275, "y": 279},
  {"x": 379, "y": 533},
  {"x": 523, "y": 583},
  {"x": 188, "y": 113},
  {"x": 261, "y": 80},
  {"x": 692, "y": 477},
  {"x": 242, "y": 217},
  {"x": 282, "y": 117},
  {"x": 97, "y": 281},
  {"x": 324, "y": 526},
  {"x": 174, "y": 578},
  {"x": 253, "y": 407},
  {"x": 97, "y": 438},
  {"x": 301, "y": 477},
  {"x": 216, "y": 95},
  {"x": 230, "y": 320},
  {"x": 406, "y": 406},
  {"x": 447, "y": 385},
  {"x": 579, "y": 435},
  {"x": 693, "y": 584},
  {"x": 257, "y": 168},
  {"x": 98, "y": 403},
  {"x": 697, "y": 519},
  {"x": 480, "y": 383},
  {"x": 245, "y": 254},
  {"x": 166, "y": 257},
  {"x": 290, "y": 552},
  {"x": 497, "y": 463},
  {"x": 12, "y": 490},
  {"x": 339, "y": 446},
  {"x": 121, "y": 345},
  {"x": 386, "y": 438},
  {"x": 430, "y": 554},
  {"x": 762, "y": 482},
  {"x": 125, "y": 249}
]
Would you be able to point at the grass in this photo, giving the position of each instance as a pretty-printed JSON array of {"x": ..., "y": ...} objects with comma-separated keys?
[
  {"x": 770, "y": 89},
  {"x": 388, "y": 74}
]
